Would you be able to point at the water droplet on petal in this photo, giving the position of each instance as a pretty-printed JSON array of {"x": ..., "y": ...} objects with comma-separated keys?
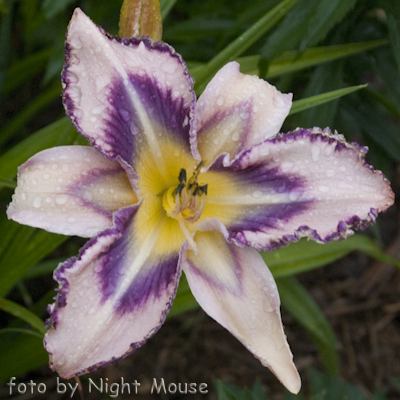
[
  {"x": 76, "y": 42},
  {"x": 323, "y": 188},
  {"x": 330, "y": 172},
  {"x": 134, "y": 129},
  {"x": 169, "y": 67},
  {"x": 72, "y": 78},
  {"x": 220, "y": 101},
  {"x": 315, "y": 152},
  {"x": 88, "y": 196},
  {"x": 286, "y": 166},
  {"x": 61, "y": 199},
  {"x": 235, "y": 136},
  {"x": 124, "y": 114},
  {"x": 37, "y": 202}
]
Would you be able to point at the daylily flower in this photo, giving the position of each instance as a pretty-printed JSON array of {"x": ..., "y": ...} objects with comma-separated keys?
[{"x": 171, "y": 185}]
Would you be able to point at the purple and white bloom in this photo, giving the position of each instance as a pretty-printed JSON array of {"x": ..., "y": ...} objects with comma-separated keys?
[{"x": 170, "y": 185}]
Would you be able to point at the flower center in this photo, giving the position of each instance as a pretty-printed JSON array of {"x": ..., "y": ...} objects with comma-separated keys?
[{"x": 185, "y": 202}]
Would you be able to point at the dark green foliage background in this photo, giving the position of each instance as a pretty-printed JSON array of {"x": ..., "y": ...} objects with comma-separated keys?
[{"x": 310, "y": 48}]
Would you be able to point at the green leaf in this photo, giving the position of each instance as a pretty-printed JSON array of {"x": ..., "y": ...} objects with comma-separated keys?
[
  {"x": 307, "y": 255},
  {"x": 227, "y": 391},
  {"x": 20, "y": 330},
  {"x": 304, "y": 104},
  {"x": 184, "y": 300},
  {"x": 325, "y": 78},
  {"x": 385, "y": 66},
  {"x": 44, "y": 268},
  {"x": 29, "y": 111},
  {"x": 5, "y": 42},
  {"x": 326, "y": 16},
  {"x": 291, "y": 61},
  {"x": 291, "y": 31},
  {"x": 242, "y": 43},
  {"x": 58, "y": 133},
  {"x": 20, "y": 248},
  {"x": 301, "y": 306},
  {"x": 51, "y": 8},
  {"x": 23, "y": 354},
  {"x": 166, "y": 6},
  {"x": 22, "y": 71},
  {"x": 392, "y": 8},
  {"x": 373, "y": 123},
  {"x": 22, "y": 313}
]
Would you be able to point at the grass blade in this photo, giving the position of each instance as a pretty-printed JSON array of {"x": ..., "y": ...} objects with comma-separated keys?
[
  {"x": 58, "y": 133},
  {"x": 22, "y": 313},
  {"x": 307, "y": 255},
  {"x": 304, "y": 104},
  {"x": 301, "y": 306},
  {"x": 242, "y": 43},
  {"x": 29, "y": 111}
]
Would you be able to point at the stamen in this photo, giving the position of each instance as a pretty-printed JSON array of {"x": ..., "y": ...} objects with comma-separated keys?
[{"x": 188, "y": 236}]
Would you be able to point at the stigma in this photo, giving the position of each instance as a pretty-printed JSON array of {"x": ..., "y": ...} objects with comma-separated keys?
[{"x": 186, "y": 201}]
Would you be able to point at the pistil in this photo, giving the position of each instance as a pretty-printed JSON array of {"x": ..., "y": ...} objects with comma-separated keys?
[{"x": 186, "y": 202}]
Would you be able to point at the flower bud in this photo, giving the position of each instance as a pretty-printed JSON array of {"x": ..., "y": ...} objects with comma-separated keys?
[{"x": 141, "y": 18}]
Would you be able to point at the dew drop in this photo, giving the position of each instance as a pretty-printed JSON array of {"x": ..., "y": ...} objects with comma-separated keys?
[
  {"x": 134, "y": 129},
  {"x": 323, "y": 188},
  {"x": 220, "y": 101},
  {"x": 169, "y": 67},
  {"x": 37, "y": 202},
  {"x": 235, "y": 136},
  {"x": 315, "y": 152},
  {"x": 294, "y": 194},
  {"x": 75, "y": 42},
  {"x": 23, "y": 196},
  {"x": 97, "y": 110},
  {"x": 124, "y": 114},
  {"x": 61, "y": 199},
  {"x": 286, "y": 166},
  {"x": 330, "y": 172},
  {"x": 88, "y": 196},
  {"x": 72, "y": 78},
  {"x": 257, "y": 194},
  {"x": 46, "y": 176},
  {"x": 34, "y": 182}
]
